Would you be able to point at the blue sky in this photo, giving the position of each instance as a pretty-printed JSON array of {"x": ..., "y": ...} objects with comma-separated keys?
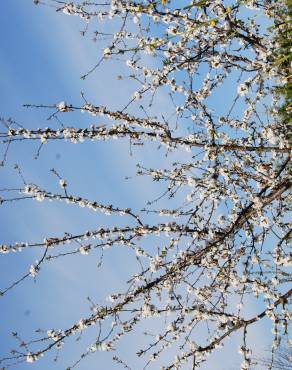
[{"x": 42, "y": 59}]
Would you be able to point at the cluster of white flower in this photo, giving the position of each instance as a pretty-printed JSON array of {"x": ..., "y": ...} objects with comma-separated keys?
[
  {"x": 4, "y": 249},
  {"x": 30, "y": 357},
  {"x": 155, "y": 263},
  {"x": 63, "y": 183},
  {"x": 147, "y": 310},
  {"x": 56, "y": 335},
  {"x": 107, "y": 52},
  {"x": 85, "y": 249},
  {"x": 33, "y": 271},
  {"x": 63, "y": 107},
  {"x": 106, "y": 346},
  {"x": 242, "y": 89},
  {"x": 70, "y": 9}
]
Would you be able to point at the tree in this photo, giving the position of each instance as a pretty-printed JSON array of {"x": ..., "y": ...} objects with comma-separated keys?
[{"x": 222, "y": 236}]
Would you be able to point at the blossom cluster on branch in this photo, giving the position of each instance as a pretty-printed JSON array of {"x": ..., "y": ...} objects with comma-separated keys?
[{"x": 228, "y": 239}]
